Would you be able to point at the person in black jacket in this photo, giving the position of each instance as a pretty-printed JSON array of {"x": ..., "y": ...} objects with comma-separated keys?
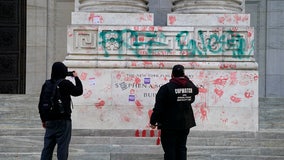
[
  {"x": 173, "y": 114},
  {"x": 58, "y": 127}
]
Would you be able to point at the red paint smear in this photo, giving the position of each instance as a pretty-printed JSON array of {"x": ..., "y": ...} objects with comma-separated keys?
[
  {"x": 126, "y": 119},
  {"x": 224, "y": 120},
  {"x": 100, "y": 104},
  {"x": 237, "y": 18},
  {"x": 220, "y": 81},
  {"x": 97, "y": 73},
  {"x": 146, "y": 18},
  {"x": 133, "y": 64},
  {"x": 152, "y": 133},
  {"x": 255, "y": 77},
  {"x": 201, "y": 74},
  {"x": 219, "y": 92},
  {"x": 147, "y": 63},
  {"x": 139, "y": 107},
  {"x": 136, "y": 28},
  {"x": 144, "y": 133},
  {"x": 221, "y": 20},
  {"x": 92, "y": 16},
  {"x": 227, "y": 66},
  {"x": 118, "y": 76},
  {"x": 143, "y": 28},
  {"x": 249, "y": 34},
  {"x": 138, "y": 104},
  {"x": 158, "y": 141},
  {"x": 137, "y": 133},
  {"x": 233, "y": 77},
  {"x": 132, "y": 91},
  {"x": 141, "y": 39},
  {"x": 234, "y": 29},
  {"x": 137, "y": 80},
  {"x": 194, "y": 64},
  {"x": 172, "y": 19},
  {"x": 161, "y": 65},
  {"x": 143, "y": 52},
  {"x": 152, "y": 28},
  {"x": 245, "y": 18},
  {"x": 235, "y": 99},
  {"x": 245, "y": 82},
  {"x": 249, "y": 94},
  {"x": 88, "y": 94},
  {"x": 202, "y": 109},
  {"x": 202, "y": 90},
  {"x": 150, "y": 113},
  {"x": 203, "y": 113},
  {"x": 83, "y": 76}
]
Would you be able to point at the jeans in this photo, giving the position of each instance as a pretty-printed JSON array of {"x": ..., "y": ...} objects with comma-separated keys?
[
  {"x": 174, "y": 143},
  {"x": 57, "y": 132}
]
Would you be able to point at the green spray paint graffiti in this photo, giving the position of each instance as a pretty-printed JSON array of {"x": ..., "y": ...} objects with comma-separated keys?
[
  {"x": 201, "y": 46},
  {"x": 116, "y": 40}
]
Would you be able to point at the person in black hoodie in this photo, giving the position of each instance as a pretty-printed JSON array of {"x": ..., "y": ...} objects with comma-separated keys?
[
  {"x": 58, "y": 127},
  {"x": 173, "y": 114}
]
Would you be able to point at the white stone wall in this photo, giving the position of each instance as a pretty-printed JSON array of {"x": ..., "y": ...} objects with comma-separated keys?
[
  {"x": 36, "y": 45},
  {"x": 274, "y": 76}
]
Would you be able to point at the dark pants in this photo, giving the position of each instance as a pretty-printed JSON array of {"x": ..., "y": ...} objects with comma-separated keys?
[
  {"x": 174, "y": 144},
  {"x": 57, "y": 132}
]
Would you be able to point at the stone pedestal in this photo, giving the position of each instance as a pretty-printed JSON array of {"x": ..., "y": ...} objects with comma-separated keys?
[{"x": 123, "y": 66}]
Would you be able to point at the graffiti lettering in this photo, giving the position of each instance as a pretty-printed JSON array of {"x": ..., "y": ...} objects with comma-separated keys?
[{"x": 153, "y": 43}]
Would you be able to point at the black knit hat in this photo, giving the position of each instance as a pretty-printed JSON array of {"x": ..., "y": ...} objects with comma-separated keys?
[{"x": 178, "y": 70}]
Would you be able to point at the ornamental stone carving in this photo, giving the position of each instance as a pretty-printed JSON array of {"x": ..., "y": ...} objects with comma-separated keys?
[
  {"x": 112, "y": 6},
  {"x": 208, "y": 6}
]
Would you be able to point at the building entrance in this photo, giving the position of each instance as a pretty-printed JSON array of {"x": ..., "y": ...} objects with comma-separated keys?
[{"x": 12, "y": 46}]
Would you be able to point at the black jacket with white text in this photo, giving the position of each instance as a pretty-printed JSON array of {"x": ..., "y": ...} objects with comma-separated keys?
[{"x": 173, "y": 108}]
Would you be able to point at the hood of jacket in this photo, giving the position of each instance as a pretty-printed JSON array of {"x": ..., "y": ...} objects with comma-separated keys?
[
  {"x": 59, "y": 71},
  {"x": 181, "y": 81}
]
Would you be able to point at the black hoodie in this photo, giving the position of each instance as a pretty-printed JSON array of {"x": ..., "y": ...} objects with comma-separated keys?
[
  {"x": 66, "y": 88},
  {"x": 173, "y": 109}
]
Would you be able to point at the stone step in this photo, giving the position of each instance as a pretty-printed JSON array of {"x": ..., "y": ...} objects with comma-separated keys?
[
  {"x": 271, "y": 114},
  {"x": 21, "y": 137},
  {"x": 119, "y": 143}
]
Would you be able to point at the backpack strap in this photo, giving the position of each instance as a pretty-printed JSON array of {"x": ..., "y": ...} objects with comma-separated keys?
[{"x": 56, "y": 86}]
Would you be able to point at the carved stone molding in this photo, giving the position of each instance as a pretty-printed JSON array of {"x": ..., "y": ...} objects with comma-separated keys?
[
  {"x": 121, "y": 46},
  {"x": 113, "y": 6},
  {"x": 208, "y": 6}
]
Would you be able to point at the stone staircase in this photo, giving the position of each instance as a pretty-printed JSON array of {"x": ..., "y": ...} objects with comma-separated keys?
[{"x": 21, "y": 137}]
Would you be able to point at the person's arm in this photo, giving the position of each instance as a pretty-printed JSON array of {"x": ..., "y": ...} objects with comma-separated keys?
[
  {"x": 158, "y": 107},
  {"x": 195, "y": 89},
  {"x": 77, "y": 89},
  {"x": 40, "y": 112}
]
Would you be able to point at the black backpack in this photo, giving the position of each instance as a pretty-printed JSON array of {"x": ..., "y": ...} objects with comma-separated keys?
[{"x": 50, "y": 101}]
